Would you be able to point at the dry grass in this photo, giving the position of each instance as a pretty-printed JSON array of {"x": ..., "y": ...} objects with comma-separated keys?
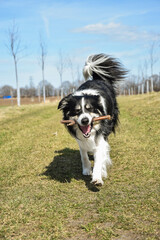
[
  {"x": 26, "y": 100},
  {"x": 43, "y": 194}
]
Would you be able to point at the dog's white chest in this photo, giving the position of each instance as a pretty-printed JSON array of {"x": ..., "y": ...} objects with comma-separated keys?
[{"x": 87, "y": 144}]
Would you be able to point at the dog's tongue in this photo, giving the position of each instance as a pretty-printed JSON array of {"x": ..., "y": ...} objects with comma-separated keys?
[{"x": 85, "y": 129}]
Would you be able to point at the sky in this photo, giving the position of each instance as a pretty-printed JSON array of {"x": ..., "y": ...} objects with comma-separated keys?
[{"x": 124, "y": 29}]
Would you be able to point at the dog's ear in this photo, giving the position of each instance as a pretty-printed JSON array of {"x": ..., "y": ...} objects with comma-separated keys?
[{"x": 64, "y": 102}]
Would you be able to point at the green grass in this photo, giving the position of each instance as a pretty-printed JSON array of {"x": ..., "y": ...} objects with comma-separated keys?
[{"x": 43, "y": 194}]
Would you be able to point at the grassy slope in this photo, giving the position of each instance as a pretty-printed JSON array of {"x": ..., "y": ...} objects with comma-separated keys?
[{"x": 43, "y": 194}]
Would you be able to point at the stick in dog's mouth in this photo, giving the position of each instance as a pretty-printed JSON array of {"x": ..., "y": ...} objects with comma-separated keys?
[{"x": 71, "y": 122}]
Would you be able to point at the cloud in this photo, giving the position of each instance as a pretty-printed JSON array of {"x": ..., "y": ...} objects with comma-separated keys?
[
  {"x": 134, "y": 13},
  {"x": 118, "y": 31}
]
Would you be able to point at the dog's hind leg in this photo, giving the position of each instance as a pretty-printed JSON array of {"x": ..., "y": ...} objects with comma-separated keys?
[{"x": 107, "y": 162}]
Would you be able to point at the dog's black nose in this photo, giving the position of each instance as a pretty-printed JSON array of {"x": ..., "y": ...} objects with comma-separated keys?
[{"x": 85, "y": 121}]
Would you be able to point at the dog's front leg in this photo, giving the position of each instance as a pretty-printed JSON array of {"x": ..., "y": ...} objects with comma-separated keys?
[
  {"x": 101, "y": 160},
  {"x": 98, "y": 164},
  {"x": 86, "y": 164}
]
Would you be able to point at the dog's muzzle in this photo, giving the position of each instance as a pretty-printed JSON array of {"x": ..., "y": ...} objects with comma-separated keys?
[{"x": 85, "y": 126}]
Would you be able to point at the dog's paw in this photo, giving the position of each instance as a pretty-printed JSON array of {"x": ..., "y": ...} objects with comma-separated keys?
[
  {"x": 97, "y": 182},
  {"x": 87, "y": 171}
]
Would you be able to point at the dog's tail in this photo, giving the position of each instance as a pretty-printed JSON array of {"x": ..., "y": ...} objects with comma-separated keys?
[{"x": 102, "y": 66}]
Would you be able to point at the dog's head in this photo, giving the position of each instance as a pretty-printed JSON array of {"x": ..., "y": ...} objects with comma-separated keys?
[{"x": 82, "y": 109}]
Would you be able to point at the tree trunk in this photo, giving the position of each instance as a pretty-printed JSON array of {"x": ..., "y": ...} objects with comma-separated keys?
[
  {"x": 17, "y": 84},
  {"x": 44, "y": 92}
]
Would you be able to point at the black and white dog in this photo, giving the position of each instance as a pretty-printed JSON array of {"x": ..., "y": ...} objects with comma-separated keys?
[{"x": 96, "y": 97}]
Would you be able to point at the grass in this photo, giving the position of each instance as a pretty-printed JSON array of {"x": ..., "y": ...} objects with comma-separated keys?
[{"x": 43, "y": 194}]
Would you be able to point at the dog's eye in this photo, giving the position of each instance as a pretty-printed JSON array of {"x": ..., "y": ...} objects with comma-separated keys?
[
  {"x": 88, "y": 106},
  {"x": 77, "y": 109}
]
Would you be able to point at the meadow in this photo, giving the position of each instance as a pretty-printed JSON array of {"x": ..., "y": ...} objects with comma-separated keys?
[{"x": 43, "y": 194}]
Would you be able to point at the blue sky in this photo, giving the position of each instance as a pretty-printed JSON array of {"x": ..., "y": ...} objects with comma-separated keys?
[{"x": 124, "y": 29}]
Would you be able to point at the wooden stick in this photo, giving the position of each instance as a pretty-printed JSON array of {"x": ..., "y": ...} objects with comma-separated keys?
[
  {"x": 72, "y": 122},
  {"x": 102, "y": 118},
  {"x": 68, "y": 122}
]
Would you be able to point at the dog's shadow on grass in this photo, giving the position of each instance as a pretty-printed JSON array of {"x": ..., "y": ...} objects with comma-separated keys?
[{"x": 66, "y": 165}]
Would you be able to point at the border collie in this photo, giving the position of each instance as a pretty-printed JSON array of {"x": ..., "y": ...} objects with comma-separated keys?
[{"x": 94, "y": 98}]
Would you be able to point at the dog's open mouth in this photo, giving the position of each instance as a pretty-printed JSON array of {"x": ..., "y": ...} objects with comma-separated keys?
[{"x": 86, "y": 130}]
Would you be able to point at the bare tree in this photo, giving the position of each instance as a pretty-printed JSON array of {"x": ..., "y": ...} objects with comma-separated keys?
[
  {"x": 61, "y": 68},
  {"x": 153, "y": 59},
  {"x": 79, "y": 76},
  {"x": 15, "y": 49},
  {"x": 43, "y": 54},
  {"x": 71, "y": 66},
  {"x": 146, "y": 75}
]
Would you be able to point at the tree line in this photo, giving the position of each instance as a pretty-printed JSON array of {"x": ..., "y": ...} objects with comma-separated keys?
[
  {"x": 132, "y": 85},
  {"x": 36, "y": 91},
  {"x": 137, "y": 85}
]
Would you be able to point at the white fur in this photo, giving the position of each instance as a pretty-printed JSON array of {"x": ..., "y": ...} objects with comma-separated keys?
[
  {"x": 103, "y": 104},
  {"x": 83, "y": 104},
  {"x": 94, "y": 66},
  {"x": 86, "y": 92}
]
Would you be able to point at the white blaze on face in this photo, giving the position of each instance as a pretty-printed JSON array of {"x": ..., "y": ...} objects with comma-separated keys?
[{"x": 84, "y": 114}]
